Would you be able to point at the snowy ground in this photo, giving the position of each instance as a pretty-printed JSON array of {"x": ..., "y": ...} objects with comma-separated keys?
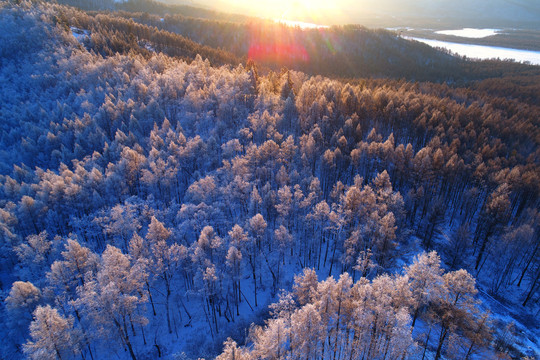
[{"x": 80, "y": 34}]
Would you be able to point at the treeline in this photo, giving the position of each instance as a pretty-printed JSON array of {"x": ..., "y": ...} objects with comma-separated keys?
[
  {"x": 155, "y": 7},
  {"x": 108, "y": 34},
  {"x": 156, "y": 194}
]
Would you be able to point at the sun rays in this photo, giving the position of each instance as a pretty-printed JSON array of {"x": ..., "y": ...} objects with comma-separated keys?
[{"x": 320, "y": 12}]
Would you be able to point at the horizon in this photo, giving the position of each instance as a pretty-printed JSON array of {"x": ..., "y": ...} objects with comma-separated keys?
[{"x": 385, "y": 13}]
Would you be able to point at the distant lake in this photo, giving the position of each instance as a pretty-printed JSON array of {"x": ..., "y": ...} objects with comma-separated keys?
[
  {"x": 470, "y": 33},
  {"x": 300, "y": 24},
  {"x": 484, "y": 52}
]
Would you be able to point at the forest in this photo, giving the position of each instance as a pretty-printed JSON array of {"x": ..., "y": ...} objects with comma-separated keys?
[{"x": 164, "y": 193}]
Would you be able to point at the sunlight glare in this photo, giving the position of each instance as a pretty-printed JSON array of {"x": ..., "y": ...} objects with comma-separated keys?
[{"x": 321, "y": 12}]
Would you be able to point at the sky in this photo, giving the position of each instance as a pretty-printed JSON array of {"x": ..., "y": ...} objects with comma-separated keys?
[
  {"x": 314, "y": 11},
  {"x": 386, "y": 12}
]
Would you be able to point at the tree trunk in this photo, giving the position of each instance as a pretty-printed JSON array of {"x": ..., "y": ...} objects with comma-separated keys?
[
  {"x": 427, "y": 342},
  {"x": 130, "y": 348},
  {"x": 57, "y": 352},
  {"x": 253, "y": 266},
  {"x": 529, "y": 262},
  {"x": 151, "y": 299},
  {"x": 125, "y": 337},
  {"x": 483, "y": 246},
  {"x": 167, "y": 297},
  {"x": 533, "y": 287},
  {"x": 444, "y": 332},
  {"x": 337, "y": 329},
  {"x": 469, "y": 352}
]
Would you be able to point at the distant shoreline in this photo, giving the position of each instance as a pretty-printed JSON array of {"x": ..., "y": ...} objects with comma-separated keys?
[
  {"x": 520, "y": 39},
  {"x": 483, "y": 52}
]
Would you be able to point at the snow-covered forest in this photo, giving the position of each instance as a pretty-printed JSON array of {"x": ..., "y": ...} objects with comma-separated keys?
[{"x": 161, "y": 197}]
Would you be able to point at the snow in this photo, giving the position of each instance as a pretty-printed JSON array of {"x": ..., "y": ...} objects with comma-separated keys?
[
  {"x": 528, "y": 341},
  {"x": 483, "y": 52},
  {"x": 80, "y": 34},
  {"x": 470, "y": 33},
  {"x": 300, "y": 24},
  {"x": 147, "y": 45}
]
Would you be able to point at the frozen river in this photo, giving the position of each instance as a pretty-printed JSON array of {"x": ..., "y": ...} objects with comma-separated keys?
[
  {"x": 470, "y": 32},
  {"x": 485, "y": 52}
]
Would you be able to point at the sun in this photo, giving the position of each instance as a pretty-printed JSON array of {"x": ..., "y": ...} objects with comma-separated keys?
[{"x": 308, "y": 11}]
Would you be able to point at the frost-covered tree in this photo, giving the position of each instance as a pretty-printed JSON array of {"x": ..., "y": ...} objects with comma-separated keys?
[
  {"x": 115, "y": 300},
  {"x": 272, "y": 341},
  {"x": 257, "y": 226},
  {"x": 305, "y": 286},
  {"x": 234, "y": 264},
  {"x": 306, "y": 333},
  {"x": 21, "y": 302},
  {"x": 164, "y": 259},
  {"x": 53, "y": 336},
  {"x": 78, "y": 266},
  {"x": 231, "y": 351},
  {"x": 457, "y": 305},
  {"x": 425, "y": 281},
  {"x": 122, "y": 222}
]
